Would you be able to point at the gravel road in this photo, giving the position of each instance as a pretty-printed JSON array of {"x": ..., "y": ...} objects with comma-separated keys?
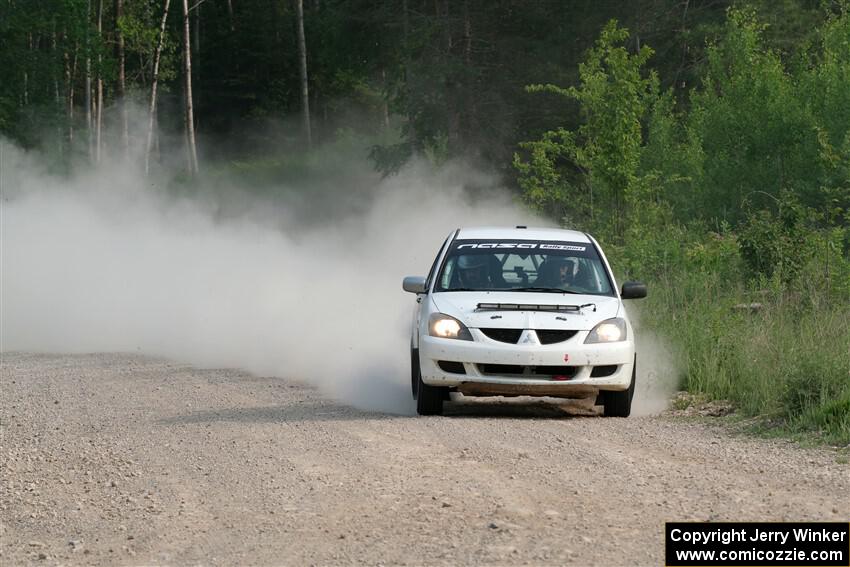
[{"x": 123, "y": 459}]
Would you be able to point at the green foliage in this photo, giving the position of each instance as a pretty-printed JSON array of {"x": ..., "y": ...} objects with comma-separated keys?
[
  {"x": 389, "y": 158},
  {"x": 436, "y": 150},
  {"x": 787, "y": 362},
  {"x": 831, "y": 416},
  {"x": 596, "y": 167},
  {"x": 718, "y": 254},
  {"x": 759, "y": 153},
  {"x": 750, "y": 125},
  {"x": 547, "y": 184},
  {"x": 39, "y": 42},
  {"x": 776, "y": 244},
  {"x": 759, "y": 125},
  {"x": 139, "y": 26},
  {"x": 825, "y": 77}
]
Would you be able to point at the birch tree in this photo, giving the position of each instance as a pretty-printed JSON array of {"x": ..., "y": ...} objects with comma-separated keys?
[
  {"x": 88, "y": 86},
  {"x": 99, "y": 101},
  {"x": 230, "y": 15},
  {"x": 302, "y": 61},
  {"x": 154, "y": 80},
  {"x": 120, "y": 89},
  {"x": 70, "y": 77},
  {"x": 191, "y": 149}
]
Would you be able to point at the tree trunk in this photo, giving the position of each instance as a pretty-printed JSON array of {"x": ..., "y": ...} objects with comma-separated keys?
[
  {"x": 152, "y": 110},
  {"x": 683, "y": 34},
  {"x": 120, "y": 89},
  {"x": 230, "y": 15},
  {"x": 196, "y": 40},
  {"x": 468, "y": 113},
  {"x": 191, "y": 149},
  {"x": 408, "y": 73},
  {"x": 87, "y": 98},
  {"x": 57, "y": 97},
  {"x": 302, "y": 58},
  {"x": 69, "y": 98},
  {"x": 26, "y": 73},
  {"x": 467, "y": 34},
  {"x": 99, "y": 102},
  {"x": 385, "y": 107},
  {"x": 70, "y": 78},
  {"x": 451, "y": 80}
]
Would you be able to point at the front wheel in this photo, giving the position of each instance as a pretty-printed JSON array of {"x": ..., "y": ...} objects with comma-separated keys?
[
  {"x": 429, "y": 399},
  {"x": 619, "y": 404},
  {"x": 414, "y": 371}
]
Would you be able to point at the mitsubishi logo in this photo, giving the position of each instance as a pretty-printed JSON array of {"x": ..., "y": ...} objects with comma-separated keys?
[{"x": 528, "y": 337}]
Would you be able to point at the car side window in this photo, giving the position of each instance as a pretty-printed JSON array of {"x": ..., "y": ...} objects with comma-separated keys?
[
  {"x": 448, "y": 274},
  {"x": 589, "y": 277},
  {"x": 436, "y": 261}
]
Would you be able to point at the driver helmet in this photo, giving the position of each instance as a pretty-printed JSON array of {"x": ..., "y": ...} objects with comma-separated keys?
[
  {"x": 565, "y": 268},
  {"x": 472, "y": 268}
]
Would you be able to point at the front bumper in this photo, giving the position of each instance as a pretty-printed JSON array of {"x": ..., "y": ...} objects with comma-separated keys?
[{"x": 494, "y": 368}]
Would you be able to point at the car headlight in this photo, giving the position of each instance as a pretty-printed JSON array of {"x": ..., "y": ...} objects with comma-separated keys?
[
  {"x": 608, "y": 331},
  {"x": 446, "y": 327}
]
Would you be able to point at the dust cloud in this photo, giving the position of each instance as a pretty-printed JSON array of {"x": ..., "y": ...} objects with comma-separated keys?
[
  {"x": 300, "y": 284},
  {"x": 657, "y": 374},
  {"x": 106, "y": 260}
]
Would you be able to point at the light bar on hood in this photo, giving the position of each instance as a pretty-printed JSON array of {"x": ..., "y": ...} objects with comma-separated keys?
[{"x": 533, "y": 307}]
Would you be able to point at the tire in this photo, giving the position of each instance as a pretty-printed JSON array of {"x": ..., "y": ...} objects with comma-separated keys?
[
  {"x": 619, "y": 404},
  {"x": 414, "y": 371},
  {"x": 429, "y": 399}
]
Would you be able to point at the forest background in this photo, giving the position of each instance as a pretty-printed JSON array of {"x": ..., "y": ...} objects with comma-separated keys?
[{"x": 705, "y": 142}]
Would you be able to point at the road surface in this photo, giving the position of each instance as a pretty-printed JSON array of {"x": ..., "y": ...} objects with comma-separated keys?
[{"x": 124, "y": 459}]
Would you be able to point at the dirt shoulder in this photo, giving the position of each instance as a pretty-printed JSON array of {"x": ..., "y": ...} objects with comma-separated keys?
[{"x": 123, "y": 459}]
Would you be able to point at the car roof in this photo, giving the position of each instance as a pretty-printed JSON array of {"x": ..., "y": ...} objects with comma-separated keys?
[{"x": 514, "y": 233}]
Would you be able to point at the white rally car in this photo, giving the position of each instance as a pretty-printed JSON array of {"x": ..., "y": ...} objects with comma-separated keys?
[{"x": 522, "y": 312}]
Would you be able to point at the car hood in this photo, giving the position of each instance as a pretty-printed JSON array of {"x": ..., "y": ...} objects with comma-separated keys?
[{"x": 463, "y": 306}]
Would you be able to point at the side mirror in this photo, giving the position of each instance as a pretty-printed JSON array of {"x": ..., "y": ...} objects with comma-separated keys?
[
  {"x": 633, "y": 290},
  {"x": 414, "y": 284}
]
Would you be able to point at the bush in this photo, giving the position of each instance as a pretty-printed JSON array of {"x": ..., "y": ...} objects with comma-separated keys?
[
  {"x": 741, "y": 197},
  {"x": 775, "y": 244},
  {"x": 788, "y": 362}
]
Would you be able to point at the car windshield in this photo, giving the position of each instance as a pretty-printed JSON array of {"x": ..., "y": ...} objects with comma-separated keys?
[{"x": 523, "y": 265}]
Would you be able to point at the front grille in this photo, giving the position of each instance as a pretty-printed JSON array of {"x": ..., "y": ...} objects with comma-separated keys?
[
  {"x": 550, "y": 336},
  {"x": 503, "y": 335},
  {"x": 546, "y": 336},
  {"x": 527, "y": 371},
  {"x": 450, "y": 366},
  {"x": 602, "y": 371}
]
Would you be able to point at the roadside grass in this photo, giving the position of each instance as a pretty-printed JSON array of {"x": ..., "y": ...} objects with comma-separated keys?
[
  {"x": 786, "y": 363},
  {"x": 737, "y": 424}
]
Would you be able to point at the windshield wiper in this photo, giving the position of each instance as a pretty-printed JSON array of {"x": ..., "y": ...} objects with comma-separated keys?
[{"x": 543, "y": 290}]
